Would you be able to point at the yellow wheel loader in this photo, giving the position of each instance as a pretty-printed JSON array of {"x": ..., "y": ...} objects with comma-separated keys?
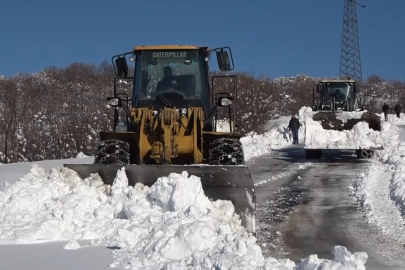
[
  {"x": 168, "y": 124},
  {"x": 337, "y": 106}
]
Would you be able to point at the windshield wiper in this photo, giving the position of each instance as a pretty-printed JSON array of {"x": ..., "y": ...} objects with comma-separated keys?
[{"x": 164, "y": 100}]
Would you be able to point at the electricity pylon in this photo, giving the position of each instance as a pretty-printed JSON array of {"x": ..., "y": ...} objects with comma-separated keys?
[{"x": 350, "y": 63}]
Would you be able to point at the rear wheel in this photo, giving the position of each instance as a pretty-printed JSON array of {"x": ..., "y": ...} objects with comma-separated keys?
[
  {"x": 114, "y": 152},
  {"x": 226, "y": 151},
  {"x": 313, "y": 153}
]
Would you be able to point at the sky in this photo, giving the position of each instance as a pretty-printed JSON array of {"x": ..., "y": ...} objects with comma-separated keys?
[{"x": 273, "y": 38}]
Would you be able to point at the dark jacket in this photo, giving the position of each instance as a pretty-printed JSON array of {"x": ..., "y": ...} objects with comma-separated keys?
[
  {"x": 385, "y": 108},
  {"x": 397, "y": 108},
  {"x": 294, "y": 124}
]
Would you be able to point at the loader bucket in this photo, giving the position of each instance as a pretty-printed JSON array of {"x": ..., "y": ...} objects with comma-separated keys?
[
  {"x": 224, "y": 182},
  {"x": 346, "y": 120}
]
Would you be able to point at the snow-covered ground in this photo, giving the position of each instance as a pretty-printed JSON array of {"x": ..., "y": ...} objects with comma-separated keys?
[
  {"x": 380, "y": 190},
  {"x": 172, "y": 224}
]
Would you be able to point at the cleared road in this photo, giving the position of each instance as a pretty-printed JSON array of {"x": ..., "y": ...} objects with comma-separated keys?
[{"x": 306, "y": 208}]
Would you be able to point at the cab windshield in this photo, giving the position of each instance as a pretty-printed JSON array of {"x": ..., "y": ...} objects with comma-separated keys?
[
  {"x": 341, "y": 91},
  {"x": 174, "y": 71}
]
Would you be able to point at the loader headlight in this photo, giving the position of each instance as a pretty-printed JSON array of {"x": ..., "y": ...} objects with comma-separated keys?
[
  {"x": 114, "y": 101},
  {"x": 225, "y": 101}
]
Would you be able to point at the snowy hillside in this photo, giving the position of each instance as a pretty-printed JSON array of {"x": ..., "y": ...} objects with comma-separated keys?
[{"x": 71, "y": 108}]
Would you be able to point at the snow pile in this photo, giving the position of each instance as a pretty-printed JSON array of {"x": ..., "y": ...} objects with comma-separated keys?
[
  {"x": 343, "y": 260},
  {"x": 344, "y": 116},
  {"x": 312, "y": 134},
  {"x": 73, "y": 244},
  {"x": 393, "y": 119},
  {"x": 170, "y": 225},
  {"x": 360, "y": 136},
  {"x": 276, "y": 135},
  {"x": 255, "y": 144},
  {"x": 380, "y": 189},
  {"x": 81, "y": 155}
]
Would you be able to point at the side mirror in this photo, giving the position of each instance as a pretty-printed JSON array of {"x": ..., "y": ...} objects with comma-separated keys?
[
  {"x": 318, "y": 88},
  {"x": 223, "y": 60},
  {"x": 114, "y": 102},
  {"x": 356, "y": 89},
  {"x": 122, "y": 67},
  {"x": 225, "y": 101}
]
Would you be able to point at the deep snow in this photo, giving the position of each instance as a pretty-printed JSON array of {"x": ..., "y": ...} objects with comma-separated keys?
[
  {"x": 172, "y": 224},
  {"x": 380, "y": 189}
]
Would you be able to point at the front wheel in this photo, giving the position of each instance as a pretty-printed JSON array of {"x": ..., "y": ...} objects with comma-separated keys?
[
  {"x": 114, "y": 152},
  {"x": 313, "y": 153},
  {"x": 226, "y": 151}
]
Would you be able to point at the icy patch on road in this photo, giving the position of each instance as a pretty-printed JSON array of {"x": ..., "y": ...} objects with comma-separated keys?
[{"x": 287, "y": 173}]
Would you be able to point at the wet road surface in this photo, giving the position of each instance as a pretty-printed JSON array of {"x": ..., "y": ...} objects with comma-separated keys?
[{"x": 304, "y": 207}]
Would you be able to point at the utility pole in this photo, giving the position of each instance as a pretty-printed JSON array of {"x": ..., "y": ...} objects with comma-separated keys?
[{"x": 350, "y": 63}]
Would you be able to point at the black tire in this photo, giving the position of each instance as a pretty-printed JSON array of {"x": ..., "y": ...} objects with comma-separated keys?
[
  {"x": 364, "y": 154},
  {"x": 313, "y": 154},
  {"x": 226, "y": 151},
  {"x": 308, "y": 154},
  {"x": 113, "y": 152},
  {"x": 318, "y": 154}
]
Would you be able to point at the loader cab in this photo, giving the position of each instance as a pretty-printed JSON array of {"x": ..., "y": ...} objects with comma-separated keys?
[
  {"x": 172, "y": 75},
  {"x": 336, "y": 95}
]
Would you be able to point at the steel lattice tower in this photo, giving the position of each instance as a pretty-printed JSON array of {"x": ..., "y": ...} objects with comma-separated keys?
[{"x": 350, "y": 63}]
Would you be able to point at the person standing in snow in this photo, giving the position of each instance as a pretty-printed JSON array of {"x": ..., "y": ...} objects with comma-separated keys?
[
  {"x": 398, "y": 110},
  {"x": 385, "y": 109},
  {"x": 294, "y": 126}
]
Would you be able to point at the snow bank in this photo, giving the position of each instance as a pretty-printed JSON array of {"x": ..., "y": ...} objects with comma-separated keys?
[
  {"x": 343, "y": 260},
  {"x": 255, "y": 144},
  {"x": 360, "y": 136},
  {"x": 380, "y": 189},
  {"x": 170, "y": 225},
  {"x": 276, "y": 135}
]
